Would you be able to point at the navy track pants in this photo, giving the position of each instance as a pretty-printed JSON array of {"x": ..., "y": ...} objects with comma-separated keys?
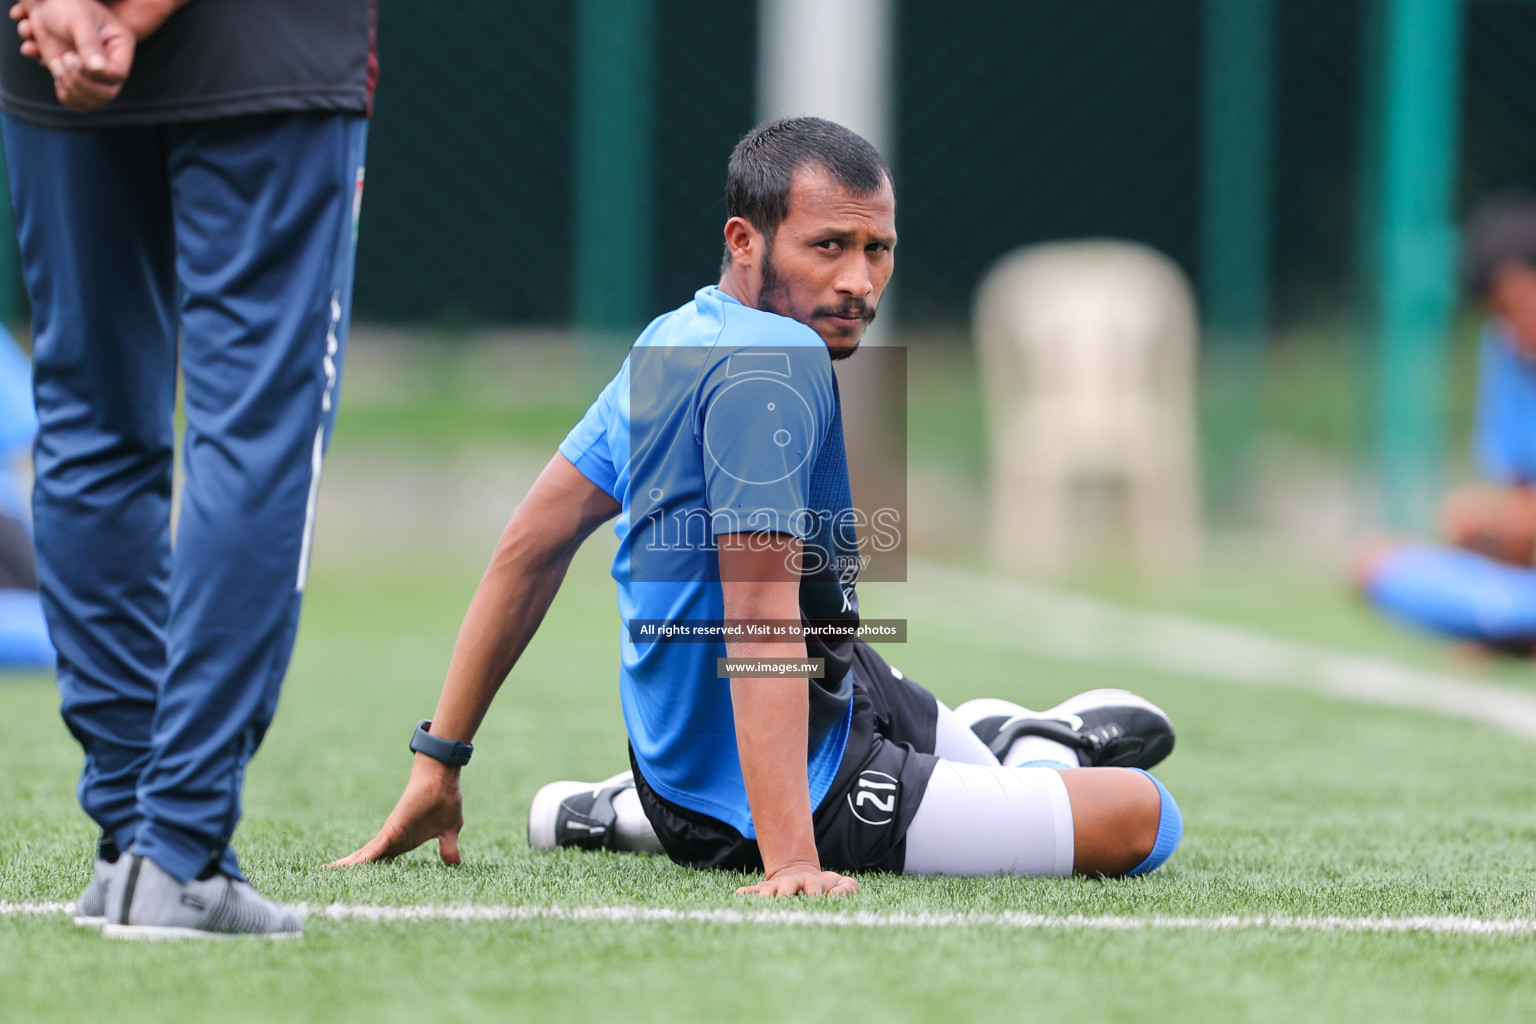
[{"x": 239, "y": 232}]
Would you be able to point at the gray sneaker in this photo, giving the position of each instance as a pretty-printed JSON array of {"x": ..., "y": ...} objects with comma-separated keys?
[
  {"x": 91, "y": 907},
  {"x": 144, "y": 901}
]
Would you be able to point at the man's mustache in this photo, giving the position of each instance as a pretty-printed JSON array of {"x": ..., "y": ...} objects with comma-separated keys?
[{"x": 850, "y": 310}]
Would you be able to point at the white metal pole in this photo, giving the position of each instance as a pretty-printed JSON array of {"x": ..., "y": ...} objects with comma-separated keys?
[{"x": 832, "y": 59}]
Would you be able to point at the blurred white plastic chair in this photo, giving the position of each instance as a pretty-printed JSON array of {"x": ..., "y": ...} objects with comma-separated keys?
[{"x": 1087, "y": 352}]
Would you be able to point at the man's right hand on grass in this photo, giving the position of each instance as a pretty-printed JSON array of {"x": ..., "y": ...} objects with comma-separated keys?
[
  {"x": 807, "y": 878},
  {"x": 432, "y": 807}
]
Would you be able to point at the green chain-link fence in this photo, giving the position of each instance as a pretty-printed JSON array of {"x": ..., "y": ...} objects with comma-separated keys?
[
  {"x": 1014, "y": 123},
  {"x": 471, "y": 172},
  {"x": 1026, "y": 122}
]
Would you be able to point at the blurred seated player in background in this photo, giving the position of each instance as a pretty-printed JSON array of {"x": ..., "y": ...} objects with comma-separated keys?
[
  {"x": 24, "y": 642},
  {"x": 719, "y": 446},
  {"x": 1480, "y": 585}
]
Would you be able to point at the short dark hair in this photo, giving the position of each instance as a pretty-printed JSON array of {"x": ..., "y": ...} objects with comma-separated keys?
[
  {"x": 1501, "y": 230},
  {"x": 765, "y": 161}
]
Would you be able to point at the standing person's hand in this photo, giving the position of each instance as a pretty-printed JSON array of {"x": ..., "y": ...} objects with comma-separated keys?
[
  {"x": 432, "y": 807},
  {"x": 82, "y": 43},
  {"x": 145, "y": 17}
]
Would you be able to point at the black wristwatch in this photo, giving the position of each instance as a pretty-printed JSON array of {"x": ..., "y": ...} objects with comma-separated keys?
[{"x": 451, "y": 752}]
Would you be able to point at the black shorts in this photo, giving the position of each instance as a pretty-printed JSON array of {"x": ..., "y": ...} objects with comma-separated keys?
[{"x": 862, "y": 824}]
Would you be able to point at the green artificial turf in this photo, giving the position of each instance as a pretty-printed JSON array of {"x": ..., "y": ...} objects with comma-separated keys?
[{"x": 1295, "y": 805}]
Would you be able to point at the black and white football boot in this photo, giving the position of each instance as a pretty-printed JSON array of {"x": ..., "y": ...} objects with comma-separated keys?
[
  {"x": 1107, "y": 728},
  {"x": 577, "y": 814}
]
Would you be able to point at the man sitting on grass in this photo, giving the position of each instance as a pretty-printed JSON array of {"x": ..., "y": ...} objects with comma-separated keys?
[
  {"x": 1480, "y": 586},
  {"x": 719, "y": 446}
]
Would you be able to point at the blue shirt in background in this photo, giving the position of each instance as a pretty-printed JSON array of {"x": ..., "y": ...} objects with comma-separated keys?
[
  {"x": 18, "y": 426},
  {"x": 1504, "y": 430}
]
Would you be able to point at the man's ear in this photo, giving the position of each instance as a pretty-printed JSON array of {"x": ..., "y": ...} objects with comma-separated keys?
[{"x": 742, "y": 241}]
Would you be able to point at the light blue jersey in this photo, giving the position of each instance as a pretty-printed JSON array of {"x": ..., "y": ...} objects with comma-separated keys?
[
  {"x": 723, "y": 419},
  {"x": 18, "y": 426},
  {"x": 1504, "y": 435}
]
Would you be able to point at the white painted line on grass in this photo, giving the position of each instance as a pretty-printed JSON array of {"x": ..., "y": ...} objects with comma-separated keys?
[
  {"x": 926, "y": 919},
  {"x": 1009, "y": 615},
  {"x": 34, "y": 909},
  {"x": 1018, "y": 920}
]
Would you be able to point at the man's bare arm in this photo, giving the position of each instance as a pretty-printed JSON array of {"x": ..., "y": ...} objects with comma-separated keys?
[
  {"x": 761, "y": 579},
  {"x": 561, "y": 510}
]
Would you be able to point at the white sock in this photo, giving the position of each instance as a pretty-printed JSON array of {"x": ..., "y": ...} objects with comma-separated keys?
[
  {"x": 1025, "y": 748},
  {"x": 953, "y": 739},
  {"x": 633, "y": 831},
  {"x": 979, "y": 819},
  {"x": 1040, "y": 748}
]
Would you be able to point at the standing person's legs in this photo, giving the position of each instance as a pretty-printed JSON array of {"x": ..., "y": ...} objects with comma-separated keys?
[
  {"x": 265, "y": 227},
  {"x": 93, "y": 218}
]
